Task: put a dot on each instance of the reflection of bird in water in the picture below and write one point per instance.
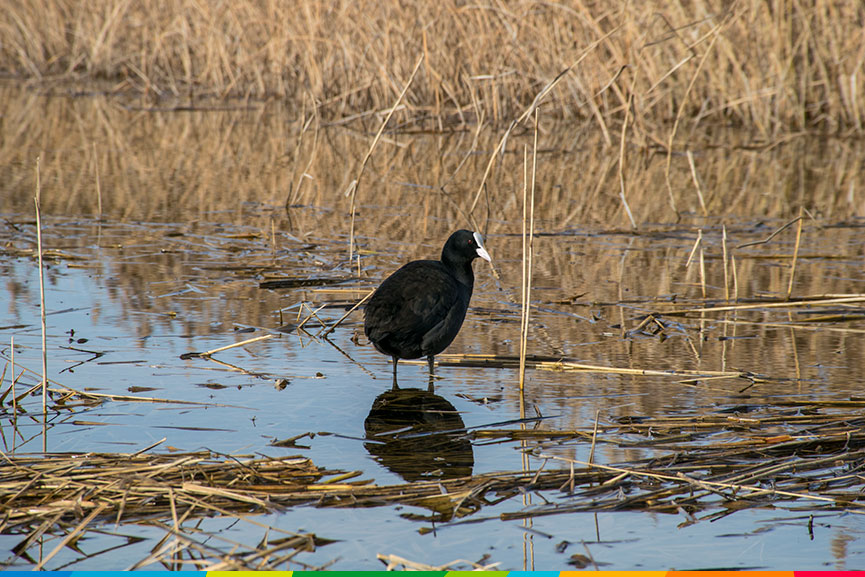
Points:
(408, 432)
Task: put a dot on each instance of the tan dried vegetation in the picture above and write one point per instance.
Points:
(776, 66)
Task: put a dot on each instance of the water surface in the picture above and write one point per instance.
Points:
(199, 208)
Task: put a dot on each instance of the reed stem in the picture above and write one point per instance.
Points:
(41, 298)
(795, 255)
(527, 256)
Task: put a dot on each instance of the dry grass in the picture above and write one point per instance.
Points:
(774, 66)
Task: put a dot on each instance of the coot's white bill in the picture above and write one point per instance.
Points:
(482, 252)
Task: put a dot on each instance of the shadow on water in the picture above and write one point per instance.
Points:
(418, 435)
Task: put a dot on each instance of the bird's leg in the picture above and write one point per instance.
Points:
(395, 361)
(431, 386)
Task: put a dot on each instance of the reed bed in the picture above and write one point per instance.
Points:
(773, 66)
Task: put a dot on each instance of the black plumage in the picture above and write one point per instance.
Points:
(419, 309)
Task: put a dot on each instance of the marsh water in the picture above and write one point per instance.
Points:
(161, 223)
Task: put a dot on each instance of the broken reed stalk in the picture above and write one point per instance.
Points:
(240, 344)
(771, 236)
(313, 314)
(698, 250)
(770, 305)
(12, 360)
(356, 183)
(564, 364)
(98, 182)
(702, 267)
(527, 254)
(693, 251)
(345, 316)
(697, 183)
(41, 299)
(735, 278)
(71, 535)
(594, 436)
(67, 390)
(795, 254)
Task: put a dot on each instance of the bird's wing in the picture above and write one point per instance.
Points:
(408, 303)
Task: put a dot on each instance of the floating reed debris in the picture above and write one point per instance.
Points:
(773, 304)
(354, 307)
(397, 563)
(207, 354)
(563, 364)
(64, 393)
(69, 494)
(289, 283)
(719, 463)
(59, 486)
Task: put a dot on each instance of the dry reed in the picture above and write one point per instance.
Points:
(795, 255)
(528, 249)
(36, 201)
(772, 66)
(717, 463)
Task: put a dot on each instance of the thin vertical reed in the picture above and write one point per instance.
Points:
(41, 299)
(527, 257)
(273, 236)
(697, 183)
(525, 262)
(795, 255)
(14, 400)
(622, 187)
(735, 279)
(702, 267)
(726, 268)
(98, 182)
(594, 437)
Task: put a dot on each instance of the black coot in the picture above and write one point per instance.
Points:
(418, 310)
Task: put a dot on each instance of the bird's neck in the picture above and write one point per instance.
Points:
(463, 273)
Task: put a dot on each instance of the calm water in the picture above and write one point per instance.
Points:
(194, 217)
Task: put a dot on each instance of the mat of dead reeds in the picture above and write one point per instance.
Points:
(806, 457)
